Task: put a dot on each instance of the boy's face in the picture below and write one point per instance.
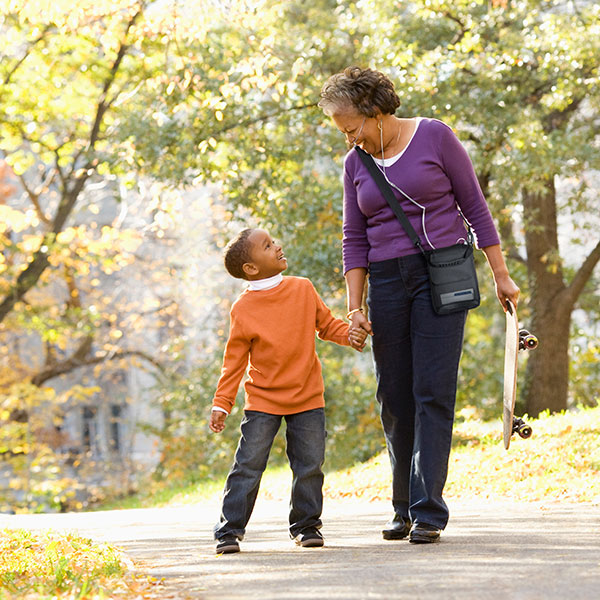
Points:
(267, 257)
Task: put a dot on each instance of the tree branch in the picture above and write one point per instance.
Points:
(39, 262)
(261, 118)
(26, 54)
(28, 278)
(461, 26)
(556, 118)
(76, 361)
(34, 196)
(103, 104)
(514, 255)
(575, 288)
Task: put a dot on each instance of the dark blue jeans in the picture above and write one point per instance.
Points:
(305, 447)
(416, 354)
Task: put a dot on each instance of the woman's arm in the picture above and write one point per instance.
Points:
(506, 288)
(355, 286)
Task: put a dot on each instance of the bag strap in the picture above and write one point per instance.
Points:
(388, 194)
(386, 190)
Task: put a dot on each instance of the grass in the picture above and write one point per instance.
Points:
(560, 462)
(156, 495)
(65, 566)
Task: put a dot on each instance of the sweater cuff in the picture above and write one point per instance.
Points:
(355, 264)
(222, 404)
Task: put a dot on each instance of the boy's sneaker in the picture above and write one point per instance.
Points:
(228, 545)
(311, 538)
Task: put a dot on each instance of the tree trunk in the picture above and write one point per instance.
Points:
(547, 375)
(546, 385)
(552, 300)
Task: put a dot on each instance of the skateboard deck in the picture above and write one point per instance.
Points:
(515, 340)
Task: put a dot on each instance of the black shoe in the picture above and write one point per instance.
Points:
(228, 545)
(396, 529)
(310, 538)
(423, 533)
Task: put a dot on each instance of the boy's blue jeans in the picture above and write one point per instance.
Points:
(416, 354)
(305, 447)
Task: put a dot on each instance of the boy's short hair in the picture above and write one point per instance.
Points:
(237, 252)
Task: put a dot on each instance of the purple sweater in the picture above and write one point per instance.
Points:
(434, 171)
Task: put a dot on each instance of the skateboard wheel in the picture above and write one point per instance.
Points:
(525, 431)
(527, 341)
(520, 427)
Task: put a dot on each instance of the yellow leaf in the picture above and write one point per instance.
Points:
(12, 219)
(66, 236)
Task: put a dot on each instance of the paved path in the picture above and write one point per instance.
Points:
(490, 550)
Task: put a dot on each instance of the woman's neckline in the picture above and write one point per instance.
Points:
(389, 161)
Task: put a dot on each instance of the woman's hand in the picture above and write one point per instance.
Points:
(507, 289)
(360, 327)
(359, 320)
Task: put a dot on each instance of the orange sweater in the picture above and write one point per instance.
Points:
(275, 330)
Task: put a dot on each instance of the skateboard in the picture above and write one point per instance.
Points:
(516, 340)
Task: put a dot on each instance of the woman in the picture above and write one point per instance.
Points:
(416, 351)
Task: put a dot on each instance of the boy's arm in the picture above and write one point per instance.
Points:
(328, 327)
(235, 361)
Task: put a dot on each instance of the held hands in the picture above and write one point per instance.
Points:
(357, 338)
(217, 421)
(360, 327)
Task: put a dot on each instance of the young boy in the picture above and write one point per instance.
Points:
(273, 325)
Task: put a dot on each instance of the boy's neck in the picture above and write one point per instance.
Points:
(265, 284)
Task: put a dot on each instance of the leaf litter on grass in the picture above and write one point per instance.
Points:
(65, 566)
(560, 462)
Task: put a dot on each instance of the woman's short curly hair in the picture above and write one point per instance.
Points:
(237, 253)
(364, 90)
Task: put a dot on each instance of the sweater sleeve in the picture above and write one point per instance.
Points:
(328, 327)
(355, 244)
(235, 361)
(467, 191)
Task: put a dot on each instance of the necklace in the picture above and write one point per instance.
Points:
(391, 143)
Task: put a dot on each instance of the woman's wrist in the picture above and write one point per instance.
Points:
(353, 312)
(501, 275)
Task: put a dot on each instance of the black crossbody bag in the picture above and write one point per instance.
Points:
(452, 274)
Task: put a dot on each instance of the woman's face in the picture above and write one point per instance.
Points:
(359, 130)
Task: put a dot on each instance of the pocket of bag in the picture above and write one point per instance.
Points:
(459, 270)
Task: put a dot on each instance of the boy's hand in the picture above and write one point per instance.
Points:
(357, 337)
(217, 421)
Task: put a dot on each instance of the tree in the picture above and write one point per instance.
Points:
(518, 80)
(192, 95)
(69, 254)
(521, 81)
(69, 151)
(75, 150)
